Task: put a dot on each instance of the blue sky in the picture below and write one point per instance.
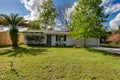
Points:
(12, 6)
(27, 8)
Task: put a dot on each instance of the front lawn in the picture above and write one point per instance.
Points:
(40, 63)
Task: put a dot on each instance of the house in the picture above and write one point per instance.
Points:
(58, 38)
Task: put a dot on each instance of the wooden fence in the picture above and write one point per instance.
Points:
(5, 39)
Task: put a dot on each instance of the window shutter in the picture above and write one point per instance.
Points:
(56, 37)
(64, 37)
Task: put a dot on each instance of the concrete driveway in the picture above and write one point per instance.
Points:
(111, 50)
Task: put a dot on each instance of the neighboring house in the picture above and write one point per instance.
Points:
(60, 38)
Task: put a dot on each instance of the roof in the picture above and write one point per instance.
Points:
(48, 32)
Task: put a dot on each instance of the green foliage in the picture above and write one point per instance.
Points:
(35, 25)
(118, 31)
(14, 36)
(33, 39)
(14, 22)
(2, 22)
(88, 19)
(63, 16)
(47, 14)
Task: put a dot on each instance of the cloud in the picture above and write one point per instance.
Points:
(106, 2)
(112, 9)
(31, 5)
(114, 23)
(109, 7)
(69, 11)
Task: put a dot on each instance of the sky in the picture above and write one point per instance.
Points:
(28, 9)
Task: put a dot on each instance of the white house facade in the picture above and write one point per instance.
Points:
(59, 38)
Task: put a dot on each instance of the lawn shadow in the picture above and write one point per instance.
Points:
(15, 72)
(20, 51)
(5, 46)
(103, 52)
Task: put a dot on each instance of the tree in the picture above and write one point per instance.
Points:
(1, 26)
(64, 12)
(13, 22)
(34, 25)
(88, 20)
(118, 30)
(47, 14)
(1, 21)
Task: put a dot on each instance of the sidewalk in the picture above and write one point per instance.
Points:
(111, 50)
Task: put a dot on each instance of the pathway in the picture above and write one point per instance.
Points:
(111, 50)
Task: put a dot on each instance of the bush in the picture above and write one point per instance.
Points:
(34, 39)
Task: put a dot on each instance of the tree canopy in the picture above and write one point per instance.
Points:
(47, 14)
(34, 25)
(88, 19)
(118, 30)
(14, 21)
(64, 15)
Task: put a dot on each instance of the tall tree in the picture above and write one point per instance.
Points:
(35, 25)
(64, 12)
(88, 19)
(118, 30)
(13, 22)
(47, 14)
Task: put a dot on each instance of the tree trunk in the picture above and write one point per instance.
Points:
(84, 40)
(15, 44)
(14, 37)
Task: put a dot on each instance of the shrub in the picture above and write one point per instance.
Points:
(34, 39)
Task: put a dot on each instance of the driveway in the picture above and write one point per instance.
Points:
(111, 50)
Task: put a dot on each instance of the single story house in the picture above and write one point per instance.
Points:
(59, 38)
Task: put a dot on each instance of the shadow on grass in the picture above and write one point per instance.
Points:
(4, 46)
(20, 51)
(15, 72)
(103, 52)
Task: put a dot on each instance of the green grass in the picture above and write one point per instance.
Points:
(40, 63)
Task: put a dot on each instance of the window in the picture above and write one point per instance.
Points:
(60, 37)
(64, 37)
(56, 37)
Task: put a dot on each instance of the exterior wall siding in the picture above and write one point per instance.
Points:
(92, 42)
(71, 42)
(79, 42)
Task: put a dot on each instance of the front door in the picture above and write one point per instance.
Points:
(49, 40)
